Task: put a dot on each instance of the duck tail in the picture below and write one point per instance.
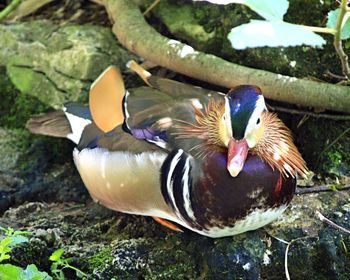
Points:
(53, 123)
(67, 123)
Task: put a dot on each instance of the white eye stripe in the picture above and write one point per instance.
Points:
(253, 121)
(227, 117)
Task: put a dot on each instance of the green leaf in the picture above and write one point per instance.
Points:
(56, 255)
(18, 239)
(4, 243)
(80, 274)
(21, 232)
(10, 272)
(272, 10)
(260, 33)
(32, 273)
(332, 23)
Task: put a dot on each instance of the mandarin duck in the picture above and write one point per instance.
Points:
(217, 164)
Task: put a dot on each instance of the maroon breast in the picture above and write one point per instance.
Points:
(220, 200)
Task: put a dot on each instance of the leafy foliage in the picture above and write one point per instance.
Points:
(269, 9)
(12, 238)
(11, 272)
(332, 23)
(272, 32)
(8, 271)
(260, 33)
(59, 264)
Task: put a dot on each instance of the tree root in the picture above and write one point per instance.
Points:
(136, 35)
(331, 223)
(317, 189)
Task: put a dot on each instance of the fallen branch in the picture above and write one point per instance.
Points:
(329, 222)
(311, 114)
(317, 189)
(136, 35)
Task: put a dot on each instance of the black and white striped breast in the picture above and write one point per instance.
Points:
(177, 185)
(208, 200)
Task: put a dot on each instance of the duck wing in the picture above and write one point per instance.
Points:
(157, 114)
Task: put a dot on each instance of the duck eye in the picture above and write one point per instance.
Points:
(258, 121)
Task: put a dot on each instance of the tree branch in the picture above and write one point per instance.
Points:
(136, 35)
(337, 40)
(331, 223)
(317, 189)
(307, 113)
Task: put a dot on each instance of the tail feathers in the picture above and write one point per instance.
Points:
(53, 123)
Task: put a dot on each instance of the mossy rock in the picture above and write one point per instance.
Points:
(57, 64)
(326, 146)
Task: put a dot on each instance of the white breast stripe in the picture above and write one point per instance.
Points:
(159, 143)
(126, 112)
(186, 191)
(77, 125)
(169, 180)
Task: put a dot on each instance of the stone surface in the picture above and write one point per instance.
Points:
(57, 64)
(106, 244)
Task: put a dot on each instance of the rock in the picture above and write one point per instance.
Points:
(106, 244)
(36, 172)
(57, 64)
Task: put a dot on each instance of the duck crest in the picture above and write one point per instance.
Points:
(276, 147)
(207, 127)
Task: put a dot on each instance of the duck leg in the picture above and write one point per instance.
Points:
(167, 224)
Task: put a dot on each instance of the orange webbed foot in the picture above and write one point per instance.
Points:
(167, 224)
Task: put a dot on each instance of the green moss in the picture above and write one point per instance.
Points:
(100, 258)
(181, 23)
(325, 146)
(33, 252)
(166, 256)
(16, 108)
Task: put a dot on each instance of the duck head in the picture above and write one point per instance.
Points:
(242, 125)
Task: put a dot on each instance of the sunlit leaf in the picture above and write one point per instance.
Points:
(260, 33)
(9, 272)
(271, 10)
(18, 239)
(332, 23)
(32, 273)
(56, 255)
(12, 272)
(5, 243)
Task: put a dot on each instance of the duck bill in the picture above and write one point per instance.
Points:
(236, 156)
